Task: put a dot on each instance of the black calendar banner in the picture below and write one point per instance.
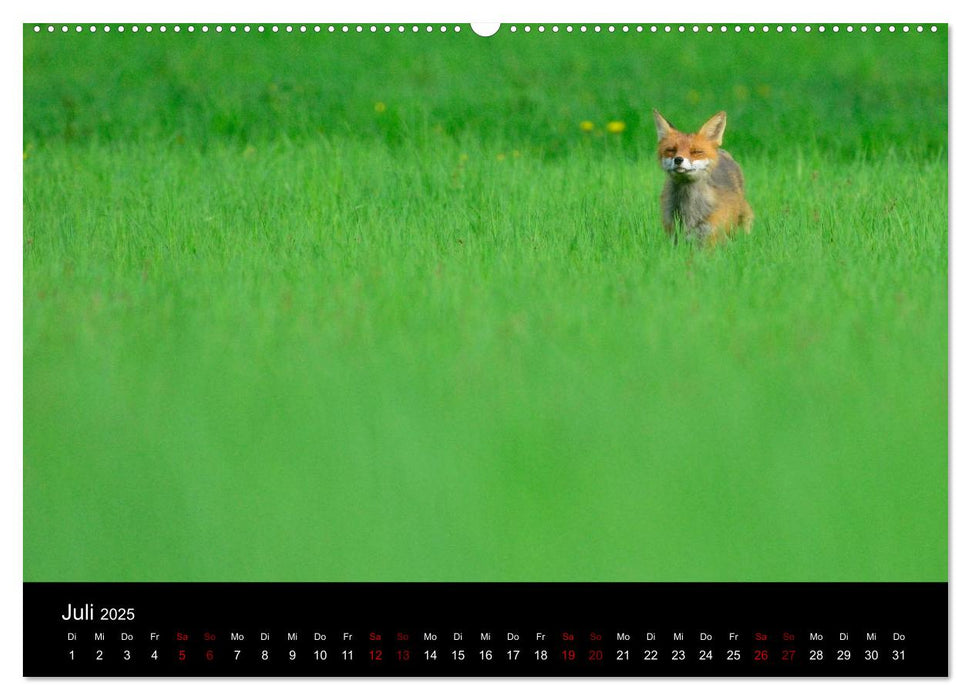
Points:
(486, 629)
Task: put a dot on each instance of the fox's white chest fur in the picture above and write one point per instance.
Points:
(688, 205)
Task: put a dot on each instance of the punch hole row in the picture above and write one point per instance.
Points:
(428, 28)
(717, 28)
(259, 28)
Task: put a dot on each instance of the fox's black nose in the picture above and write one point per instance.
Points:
(679, 160)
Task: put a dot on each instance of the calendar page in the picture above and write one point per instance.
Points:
(508, 350)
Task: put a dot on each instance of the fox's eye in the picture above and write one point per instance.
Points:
(696, 153)
(670, 152)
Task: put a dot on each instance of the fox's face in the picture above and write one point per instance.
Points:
(689, 157)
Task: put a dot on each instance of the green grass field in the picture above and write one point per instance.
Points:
(372, 307)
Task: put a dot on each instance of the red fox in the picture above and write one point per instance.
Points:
(704, 196)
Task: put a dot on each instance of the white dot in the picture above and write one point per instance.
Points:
(121, 28)
(246, 29)
(724, 29)
(892, 28)
(626, 29)
(458, 28)
(569, 29)
(344, 29)
(64, 28)
(920, 28)
(527, 29)
(822, 28)
(765, 28)
(681, 28)
(709, 29)
(177, 29)
(610, 28)
(640, 28)
(36, 28)
(596, 28)
(556, 28)
(107, 28)
(836, 29)
(583, 28)
(934, 28)
(78, 28)
(289, 29)
(863, 28)
(148, 28)
(849, 28)
(877, 28)
(219, 29)
(737, 29)
(695, 29)
(751, 29)
(778, 28)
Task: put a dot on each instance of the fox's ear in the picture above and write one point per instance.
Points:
(663, 125)
(714, 128)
